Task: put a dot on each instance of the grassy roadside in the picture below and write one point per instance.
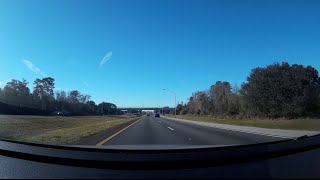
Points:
(60, 130)
(294, 124)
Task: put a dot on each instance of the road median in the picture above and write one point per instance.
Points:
(59, 130)
(102, 137)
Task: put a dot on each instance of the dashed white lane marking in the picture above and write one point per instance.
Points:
(171, 128)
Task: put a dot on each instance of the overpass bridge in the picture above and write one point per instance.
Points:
(162, 110)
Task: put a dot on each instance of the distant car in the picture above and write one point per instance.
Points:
(148, 114)
(157, 115)
(63, 113)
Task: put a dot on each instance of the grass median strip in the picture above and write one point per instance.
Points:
(293, 124)
(59, 130)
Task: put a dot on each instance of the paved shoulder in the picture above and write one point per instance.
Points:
(253, 130)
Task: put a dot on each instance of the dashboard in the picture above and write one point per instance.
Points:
(294, 158)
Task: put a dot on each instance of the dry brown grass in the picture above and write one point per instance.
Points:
(56, 130)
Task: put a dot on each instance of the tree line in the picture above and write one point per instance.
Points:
(17, 98)
(279, 90)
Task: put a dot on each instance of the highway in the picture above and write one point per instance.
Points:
(161, 131)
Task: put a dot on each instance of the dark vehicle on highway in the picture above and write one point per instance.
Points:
(157, 115)
(63, 113)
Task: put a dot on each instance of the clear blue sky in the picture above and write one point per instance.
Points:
(126, 52)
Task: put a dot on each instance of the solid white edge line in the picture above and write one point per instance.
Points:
(277, 136)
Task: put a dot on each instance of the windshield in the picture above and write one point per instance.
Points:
(158, 73)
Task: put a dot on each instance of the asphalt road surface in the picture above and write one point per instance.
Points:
(161, 131)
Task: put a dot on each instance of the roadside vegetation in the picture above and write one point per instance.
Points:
(57, 130)
(17, 98)
(271, 96)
